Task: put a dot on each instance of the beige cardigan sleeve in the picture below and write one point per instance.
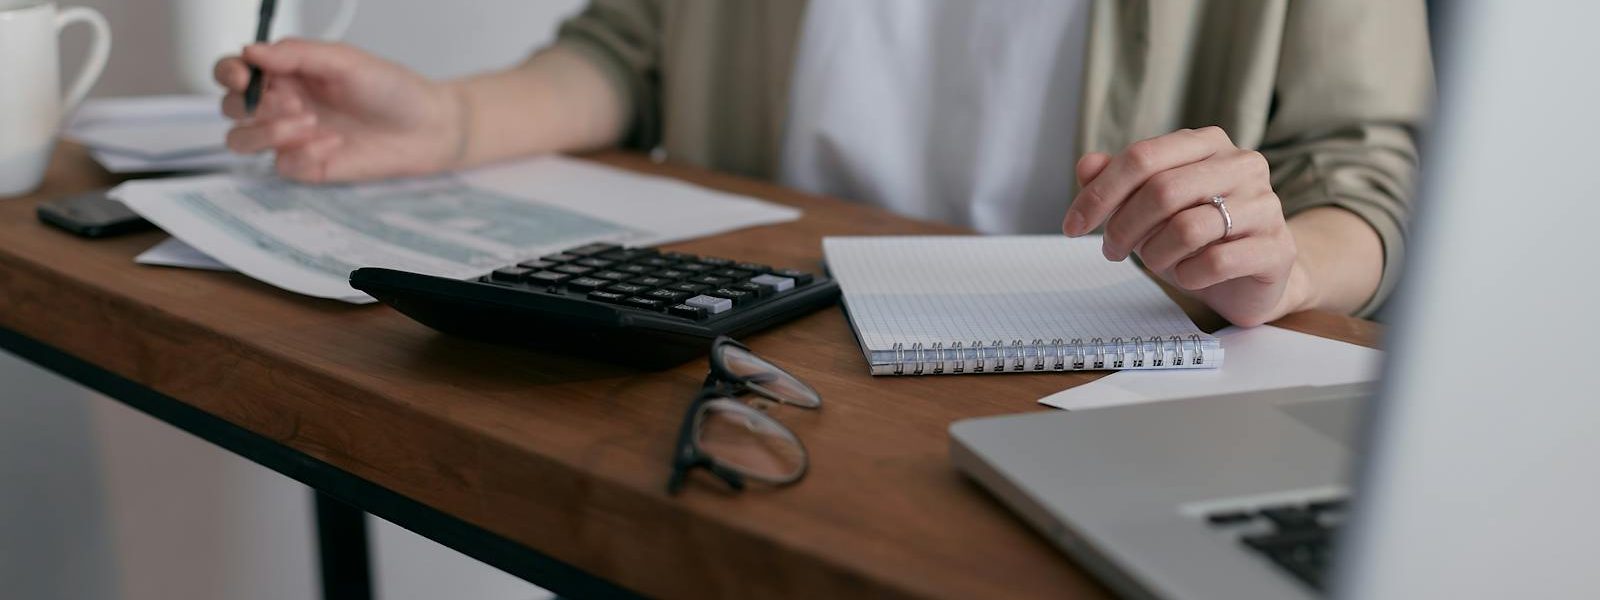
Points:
(1355, 82)
(623, 39)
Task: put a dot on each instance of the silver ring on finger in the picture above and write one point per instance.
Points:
(1221, 202)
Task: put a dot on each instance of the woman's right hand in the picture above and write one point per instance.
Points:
(335, 113)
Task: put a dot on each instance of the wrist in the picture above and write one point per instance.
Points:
(455, 138)
(1301, 293)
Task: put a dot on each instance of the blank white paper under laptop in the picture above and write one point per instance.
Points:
(1259, 358)
(968, 304)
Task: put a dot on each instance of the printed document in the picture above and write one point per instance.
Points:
(307, 239)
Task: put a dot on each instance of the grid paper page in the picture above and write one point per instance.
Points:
(946, 289)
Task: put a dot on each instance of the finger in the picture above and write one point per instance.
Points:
(308, 162)
(232, 73)
(1129, 170)
(233, 106)
(304, 57)
(1233, 173)
(1192, 230)
(1259, 257)
(279, 101)
(1091, 165)
(271, 134)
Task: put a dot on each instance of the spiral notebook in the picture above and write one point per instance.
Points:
(930, 305)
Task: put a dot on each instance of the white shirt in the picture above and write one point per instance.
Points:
(962, 111)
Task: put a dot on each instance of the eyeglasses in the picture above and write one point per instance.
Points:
(738, 441)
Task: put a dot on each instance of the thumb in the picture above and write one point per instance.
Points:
(1090, 166)
(304, 57)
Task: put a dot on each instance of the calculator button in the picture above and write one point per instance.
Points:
(739, 297)
(572, 269)
(629, 254)
(668, 296)
(715, 262)
(612, 275)
(536, 265)
(586, 284)
(598, 263)
(607, 297)
(691, 287)
(732, 273)
(799, 277)
(755, 267)
(710, 280)
(650, 281)
(634, 269)
(778, 284)
(548, 277)
(560, 257)
(686, 311)
(628, 288)
(759, 290)
(694, 267)
(592, 249)
(712, 305)
(651, 304)
(510, 274)
(671, 274)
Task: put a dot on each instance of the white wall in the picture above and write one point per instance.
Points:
(99, 501)
(438, 38)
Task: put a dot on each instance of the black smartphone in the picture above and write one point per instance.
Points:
(92, 215)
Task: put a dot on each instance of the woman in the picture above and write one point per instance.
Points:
(1258, 155)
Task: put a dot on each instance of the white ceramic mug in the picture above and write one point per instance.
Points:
(31, 102)
(204, 31)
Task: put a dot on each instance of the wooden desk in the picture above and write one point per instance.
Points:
(549, 467)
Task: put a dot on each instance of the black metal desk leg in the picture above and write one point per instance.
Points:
(342, 548)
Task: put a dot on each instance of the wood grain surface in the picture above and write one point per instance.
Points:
(567, 456)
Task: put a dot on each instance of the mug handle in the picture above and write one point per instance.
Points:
(99, 51)
(341, 21)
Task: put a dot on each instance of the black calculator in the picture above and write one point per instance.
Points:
(635, 306)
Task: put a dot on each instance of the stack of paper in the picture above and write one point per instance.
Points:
(307, 239)
(155, 134)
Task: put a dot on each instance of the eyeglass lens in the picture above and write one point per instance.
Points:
(769, 377)
(749, 441)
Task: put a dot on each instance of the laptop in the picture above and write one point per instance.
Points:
(1469, 471)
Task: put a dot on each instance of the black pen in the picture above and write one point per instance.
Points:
(252, 92)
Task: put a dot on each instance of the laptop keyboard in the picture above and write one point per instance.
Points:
(1296, 537)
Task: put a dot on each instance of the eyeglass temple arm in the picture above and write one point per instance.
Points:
(680, 474)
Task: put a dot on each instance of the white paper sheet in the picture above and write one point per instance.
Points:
(158, 140)
(1260, 358)
(149, 134)
(307, 239)
(174, 253)
(211, 161)
(95, 111)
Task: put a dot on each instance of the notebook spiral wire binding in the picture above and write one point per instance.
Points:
(1077, 354)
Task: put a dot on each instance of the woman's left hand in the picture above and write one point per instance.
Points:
(1154, 199)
